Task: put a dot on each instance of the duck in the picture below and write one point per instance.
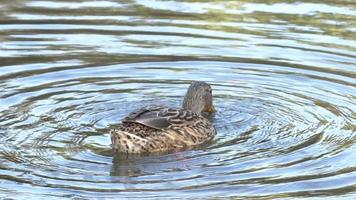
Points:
(154, 129)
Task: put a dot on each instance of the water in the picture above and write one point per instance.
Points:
(283, 75)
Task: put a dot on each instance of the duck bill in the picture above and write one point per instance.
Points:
(211, 109)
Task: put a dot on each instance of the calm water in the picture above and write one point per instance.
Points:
(283, 74)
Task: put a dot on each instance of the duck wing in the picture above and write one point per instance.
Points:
(161, 117)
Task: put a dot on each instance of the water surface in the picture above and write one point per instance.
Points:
(283, 75)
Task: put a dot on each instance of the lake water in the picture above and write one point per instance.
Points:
(283, 75)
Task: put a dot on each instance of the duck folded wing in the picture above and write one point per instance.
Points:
(161, 117)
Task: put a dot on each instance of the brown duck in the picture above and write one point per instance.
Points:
(162, 129)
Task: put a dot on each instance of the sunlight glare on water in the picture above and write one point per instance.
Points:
(283, 78)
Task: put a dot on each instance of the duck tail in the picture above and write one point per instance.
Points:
(126, 142)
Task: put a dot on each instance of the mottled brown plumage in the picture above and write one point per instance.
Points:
(162, 129)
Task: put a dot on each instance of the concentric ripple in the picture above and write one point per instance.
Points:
(283, 83)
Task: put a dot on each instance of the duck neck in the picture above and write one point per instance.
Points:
(189, 103)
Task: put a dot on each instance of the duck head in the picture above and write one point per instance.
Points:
(199, 98)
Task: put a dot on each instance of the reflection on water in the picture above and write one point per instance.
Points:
(283, 75)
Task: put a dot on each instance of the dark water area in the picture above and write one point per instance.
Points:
(283, 75)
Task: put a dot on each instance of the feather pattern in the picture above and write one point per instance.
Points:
(160, 129)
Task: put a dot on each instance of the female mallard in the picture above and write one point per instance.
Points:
(162, 129)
